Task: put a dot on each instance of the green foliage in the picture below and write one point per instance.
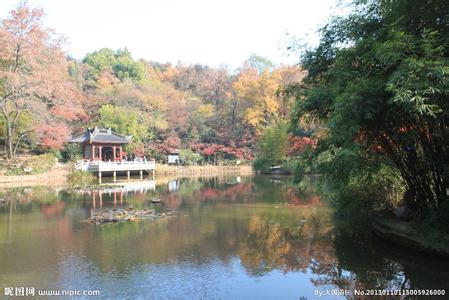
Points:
(71, 152)
(124, 120)
(120, 62)
(289, 165)
(377, 84)
(435, 220)
(260, 63)
(189, 158)
(272, 146)
(126, 68)
(99, 61)
(261, 164)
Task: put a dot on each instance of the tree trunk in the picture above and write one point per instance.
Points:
(234, 111)
(11, 124)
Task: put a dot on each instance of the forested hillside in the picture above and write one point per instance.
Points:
(208, 113)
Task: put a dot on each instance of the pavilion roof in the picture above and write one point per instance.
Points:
(101, 135)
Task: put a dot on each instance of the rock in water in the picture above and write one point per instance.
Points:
(156, 200)
(124, 215)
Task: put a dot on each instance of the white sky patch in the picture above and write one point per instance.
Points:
(209, 32)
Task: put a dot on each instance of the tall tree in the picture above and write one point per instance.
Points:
(260, 63)
(33, 71)
(378, 82)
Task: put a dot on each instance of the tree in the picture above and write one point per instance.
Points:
(272, 147)
(378, 82)
(33, 71)
(260, 63)
(99, 61)
(259, 97)
(126, 121)
(188, 157)
(119, 62)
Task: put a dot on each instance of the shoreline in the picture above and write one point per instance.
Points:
(57, 176)
(402, 234)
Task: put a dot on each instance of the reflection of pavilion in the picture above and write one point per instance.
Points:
(103, 152)
(173, 185)
(119, 192)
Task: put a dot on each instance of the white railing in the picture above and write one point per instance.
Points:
(103, 166)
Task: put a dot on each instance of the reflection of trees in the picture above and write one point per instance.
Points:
(363, 262)
(298, 237)
(288, 241)
(357, 263)
(26, 199)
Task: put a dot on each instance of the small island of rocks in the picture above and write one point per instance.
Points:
(126, 215)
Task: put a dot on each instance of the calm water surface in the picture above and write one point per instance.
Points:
(233, 238)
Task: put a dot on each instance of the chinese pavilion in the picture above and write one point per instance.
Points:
(101, 144)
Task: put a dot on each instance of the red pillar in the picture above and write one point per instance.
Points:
(92, 155)
(114, 154)
(99, 153)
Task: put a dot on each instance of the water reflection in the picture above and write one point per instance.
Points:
(233, 238)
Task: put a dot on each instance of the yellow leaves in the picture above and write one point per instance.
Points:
(206, 110)
(106, 82)
(156, 102)
(258, 94)
(253, 117)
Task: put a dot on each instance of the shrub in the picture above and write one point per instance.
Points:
(80, 179)
(71, 152)
(261, 164)
(188, 157)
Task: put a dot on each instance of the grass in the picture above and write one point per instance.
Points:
(80, 179)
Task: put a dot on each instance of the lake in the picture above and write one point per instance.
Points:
(232, 238)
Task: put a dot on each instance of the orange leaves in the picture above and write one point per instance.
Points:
(34, 76)
(52, 136)
(258, 93)
(298, 144)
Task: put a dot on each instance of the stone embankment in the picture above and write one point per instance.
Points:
(402, 234)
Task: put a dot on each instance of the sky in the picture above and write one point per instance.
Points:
(210, 32)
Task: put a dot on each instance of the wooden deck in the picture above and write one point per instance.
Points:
(100, 167)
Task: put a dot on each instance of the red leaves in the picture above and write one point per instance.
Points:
(52, 136)
(298, 144)
(68, 112)
(208, 149)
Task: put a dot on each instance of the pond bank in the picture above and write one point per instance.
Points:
(402, 234)
(57, 176)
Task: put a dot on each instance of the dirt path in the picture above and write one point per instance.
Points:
(56, 176)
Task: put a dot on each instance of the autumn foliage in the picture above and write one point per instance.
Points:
(46, 97)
